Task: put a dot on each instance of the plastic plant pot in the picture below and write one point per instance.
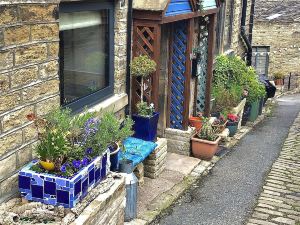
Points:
(232, 127)
(254, 111)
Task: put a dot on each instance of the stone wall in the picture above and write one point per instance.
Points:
(284, 42)
(29, 81)
(29, 44)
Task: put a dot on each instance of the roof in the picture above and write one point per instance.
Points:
(277, 11)
(152, 5)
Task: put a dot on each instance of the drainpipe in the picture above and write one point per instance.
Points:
(128, 55)
(251, 24)
(243, 33)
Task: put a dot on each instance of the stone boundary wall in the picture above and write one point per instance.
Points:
(284, 42)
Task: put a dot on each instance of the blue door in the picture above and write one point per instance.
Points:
(177, 74)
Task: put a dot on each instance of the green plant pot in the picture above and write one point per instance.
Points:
(232, 129)
(254, 111)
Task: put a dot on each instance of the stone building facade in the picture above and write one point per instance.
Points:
(228, 29)
(29, 77)
(277, 25)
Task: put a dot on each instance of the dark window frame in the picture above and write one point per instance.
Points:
(254, 62)
(100, 95)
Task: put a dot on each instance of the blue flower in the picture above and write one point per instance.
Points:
(85, 161)
(88, 151)
(76, 164)
(63, 168)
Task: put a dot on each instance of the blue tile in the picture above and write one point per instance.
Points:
(61, 182)
(97, 174)
(85, 187)
(50, 188)
(68, 184)
(103, 172)
(63, 197)
(91, 176)
(77, 188)
(37, 191)
(24, 182)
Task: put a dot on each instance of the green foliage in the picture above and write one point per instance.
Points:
(60, 119)
(278, 75)
(142, 66)
(144, 109)
(207, 132)
(231, 73)
(53, 145)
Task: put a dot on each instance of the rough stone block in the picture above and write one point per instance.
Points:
(49, 69)
(24, 155)
(40, 90)
(29, 133)
(8, 14)
(24, 76)
(10, 141)
(43, 32)
(16, 35)
(139, 173)
(1, 38)
(9, 101)
(4, 83)
(31, 54)
(37, 13)
(9, 185)
(47, 105)
(16, 118)
(156, 161)
(7, 166)
(53, 50)
(6, 59)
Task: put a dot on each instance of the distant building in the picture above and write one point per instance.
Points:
(276, 37)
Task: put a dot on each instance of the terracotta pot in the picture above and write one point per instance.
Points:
(47, 165)
(278, 81)
(204, 149)
(195, 122)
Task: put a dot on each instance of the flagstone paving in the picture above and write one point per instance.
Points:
(229, 194)
(279, 202)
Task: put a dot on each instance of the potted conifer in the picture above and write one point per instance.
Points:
(146, 119)
(278, 78)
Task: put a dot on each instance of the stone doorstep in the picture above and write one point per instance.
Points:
(166, 199)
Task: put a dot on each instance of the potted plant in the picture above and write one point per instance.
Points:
(146, 119)
(72, 158)
(113, 132)
(232, 124)
(278, 78)
(196, 121)
(219, 124)
(205, 142)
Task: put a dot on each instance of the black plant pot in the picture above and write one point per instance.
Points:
(246, 114)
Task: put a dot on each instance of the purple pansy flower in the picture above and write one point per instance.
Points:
(76, 164)
(88, 151)
(85, 161)
(63, 168)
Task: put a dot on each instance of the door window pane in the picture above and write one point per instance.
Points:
(84, 53)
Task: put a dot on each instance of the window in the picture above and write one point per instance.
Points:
(86, 53)
(228, 24)
(260, 59)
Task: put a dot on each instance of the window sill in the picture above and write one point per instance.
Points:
(114, 103)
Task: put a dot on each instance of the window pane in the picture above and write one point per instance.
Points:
(84, 53)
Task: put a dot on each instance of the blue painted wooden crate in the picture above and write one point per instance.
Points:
(54, 190)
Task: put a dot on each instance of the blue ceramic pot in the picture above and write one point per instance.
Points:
(145, 128)
(114, 158)
(232, 127)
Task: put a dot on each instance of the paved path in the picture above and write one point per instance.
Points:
(279, 202)
(228, 195)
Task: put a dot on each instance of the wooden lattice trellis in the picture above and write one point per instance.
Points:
(146, 41)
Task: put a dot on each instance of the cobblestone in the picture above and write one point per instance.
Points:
(279, 203)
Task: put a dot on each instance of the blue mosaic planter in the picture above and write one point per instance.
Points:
(54, 190)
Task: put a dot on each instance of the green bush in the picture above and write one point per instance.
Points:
(231, 77)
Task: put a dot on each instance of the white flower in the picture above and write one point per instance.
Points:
(151, 105)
